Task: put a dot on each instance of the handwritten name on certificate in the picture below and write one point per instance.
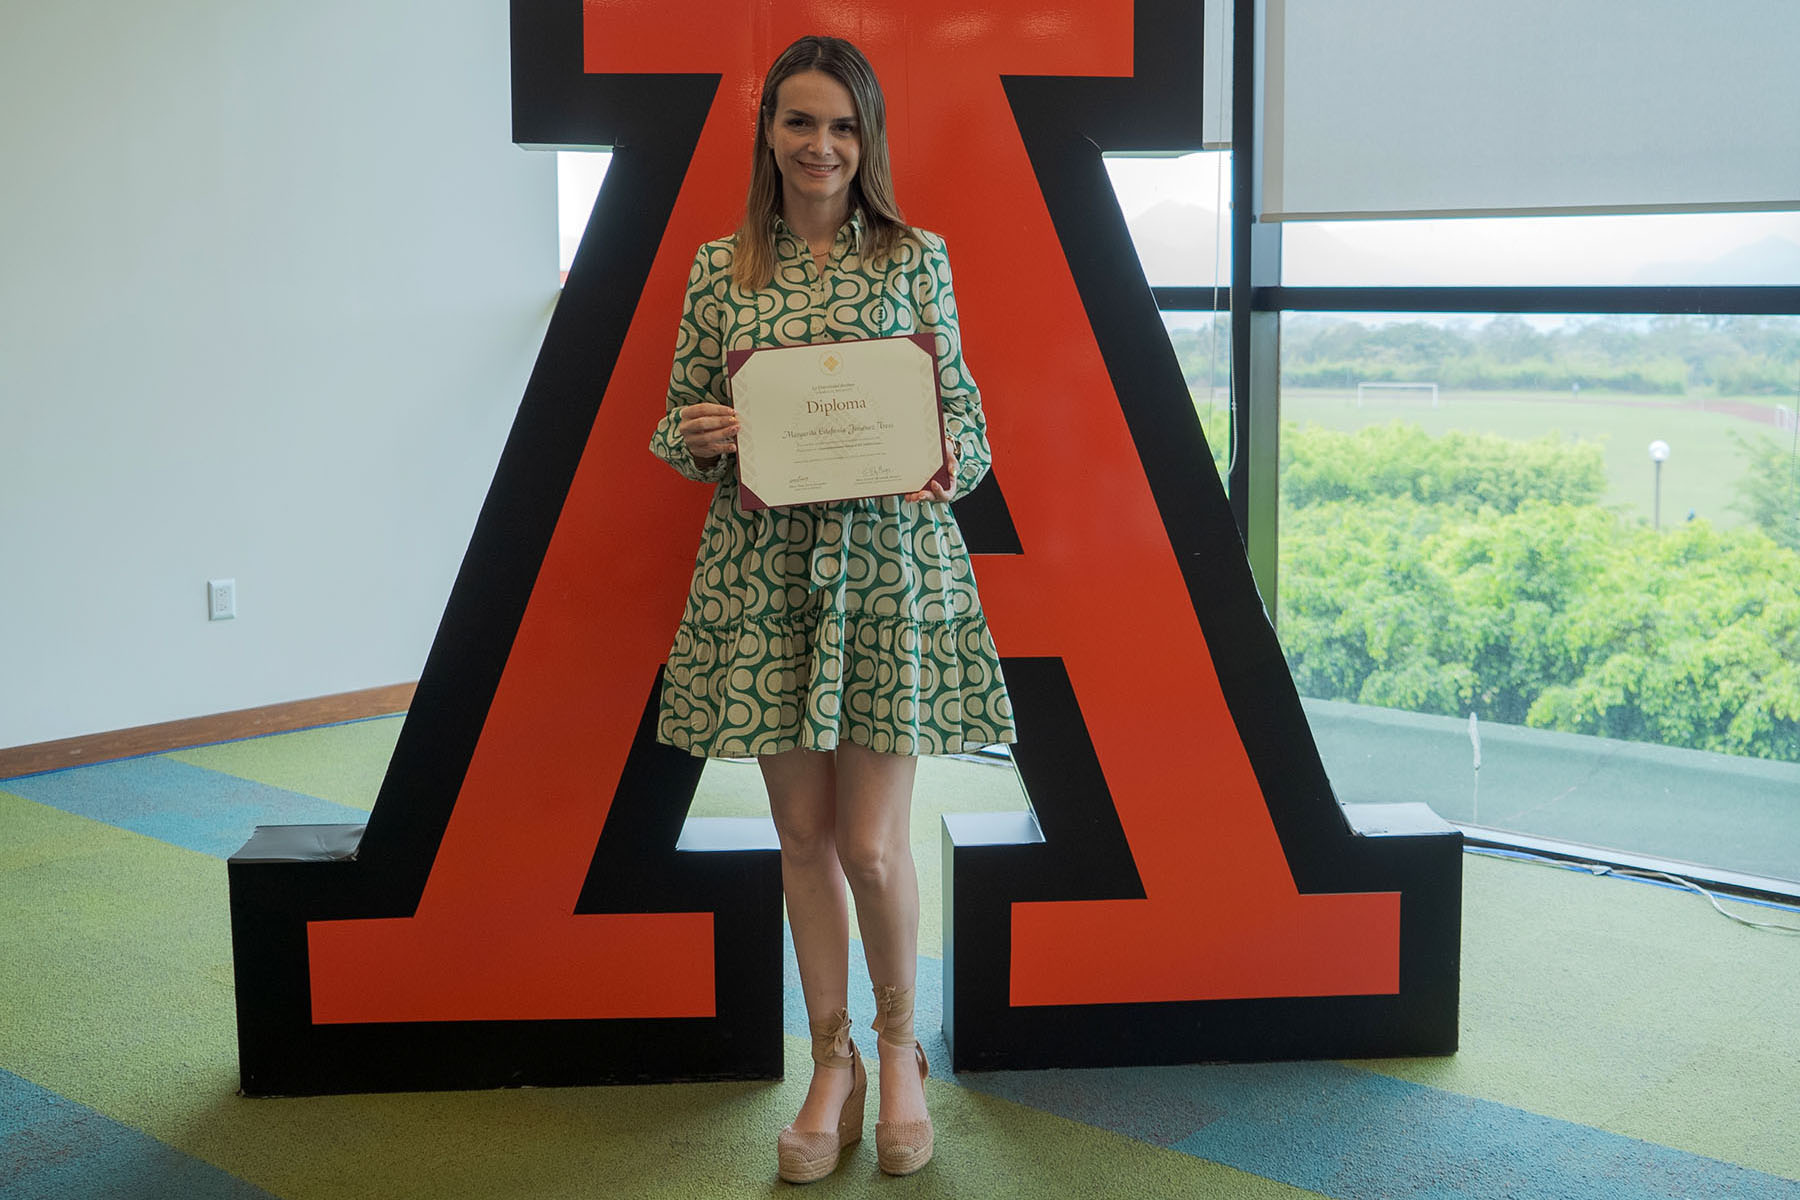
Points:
(837, 420)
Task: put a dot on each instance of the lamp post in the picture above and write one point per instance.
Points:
(1659, 451)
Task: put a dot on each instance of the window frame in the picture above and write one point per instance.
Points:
(1256, 300)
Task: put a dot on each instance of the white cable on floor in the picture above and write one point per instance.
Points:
(1690, 885)
(1594, 868)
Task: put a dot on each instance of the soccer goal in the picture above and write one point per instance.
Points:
(1364, 388)
(1785, 419)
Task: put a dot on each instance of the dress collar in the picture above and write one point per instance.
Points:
(850, 232)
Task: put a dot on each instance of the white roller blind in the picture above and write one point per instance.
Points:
(1416, 108)
(1215, 106)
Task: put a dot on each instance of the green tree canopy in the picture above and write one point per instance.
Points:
(1470, 471)
(1467, 573)
(1769, 492)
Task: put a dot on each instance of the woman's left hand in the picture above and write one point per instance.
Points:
(931, 491)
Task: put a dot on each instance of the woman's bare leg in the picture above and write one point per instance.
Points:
(803, 801)
(874, 845)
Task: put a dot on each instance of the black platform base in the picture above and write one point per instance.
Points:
(287, 876)
(992, 860)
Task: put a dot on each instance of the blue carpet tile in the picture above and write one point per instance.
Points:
(174, 802)
(52, 1148)
(1309, 1124)
(1305, 1124)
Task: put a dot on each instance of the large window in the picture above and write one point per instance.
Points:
(1521, 363)
(1544, 572)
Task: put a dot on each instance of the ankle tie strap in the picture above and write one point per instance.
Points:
(831, 1045)
(894, 1015)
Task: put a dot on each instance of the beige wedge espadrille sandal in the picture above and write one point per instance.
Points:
(901, 1147)
(801, 1156)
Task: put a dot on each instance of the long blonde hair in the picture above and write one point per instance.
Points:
(872, 188)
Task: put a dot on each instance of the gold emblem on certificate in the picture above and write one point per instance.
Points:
(837, 421)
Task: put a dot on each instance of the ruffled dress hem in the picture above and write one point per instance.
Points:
(893, 684)
(830, 740)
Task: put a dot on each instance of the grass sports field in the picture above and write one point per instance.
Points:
(1703, 459)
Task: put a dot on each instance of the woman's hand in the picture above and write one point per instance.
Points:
(708, 431)
(934, 493)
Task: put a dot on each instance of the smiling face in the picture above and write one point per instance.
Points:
(817, 143)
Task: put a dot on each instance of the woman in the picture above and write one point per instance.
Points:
(834, 642)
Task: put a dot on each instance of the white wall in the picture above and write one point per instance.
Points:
(272, 277)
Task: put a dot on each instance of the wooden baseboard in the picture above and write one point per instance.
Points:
(201, 731)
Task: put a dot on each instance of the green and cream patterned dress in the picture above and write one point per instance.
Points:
(815, 623)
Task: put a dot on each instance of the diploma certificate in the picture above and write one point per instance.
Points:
(837, 420)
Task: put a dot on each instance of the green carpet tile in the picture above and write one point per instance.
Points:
(119, 986)
(1610, 1005)
(341, 763)
(1627, 1007)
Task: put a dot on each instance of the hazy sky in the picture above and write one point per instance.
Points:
(1724, 248)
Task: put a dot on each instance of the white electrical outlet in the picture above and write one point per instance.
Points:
(221, 599)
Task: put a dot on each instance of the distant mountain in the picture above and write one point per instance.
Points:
(1175, 242)
(1314, 256)
(1773, 260)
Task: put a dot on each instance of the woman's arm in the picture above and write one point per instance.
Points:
(698, 379)
(934, 301)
